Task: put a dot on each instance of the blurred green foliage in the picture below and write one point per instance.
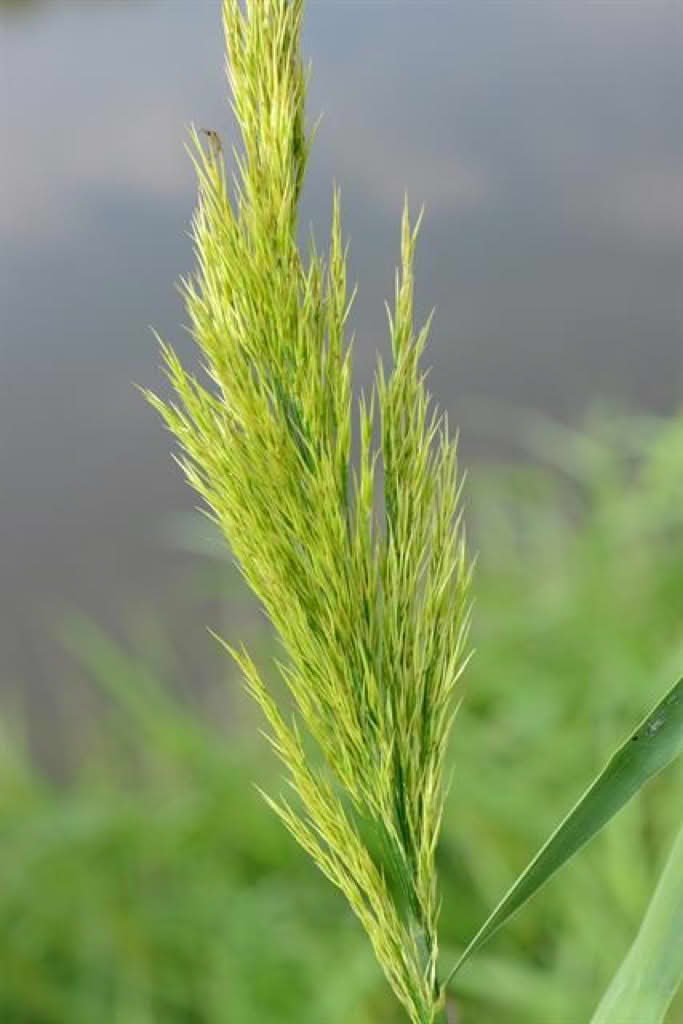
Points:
(157, 887)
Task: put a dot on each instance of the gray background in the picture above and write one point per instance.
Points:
(545, 138)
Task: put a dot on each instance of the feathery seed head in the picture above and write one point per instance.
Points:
(373, 613)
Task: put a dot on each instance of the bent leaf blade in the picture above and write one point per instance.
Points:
(656, 742)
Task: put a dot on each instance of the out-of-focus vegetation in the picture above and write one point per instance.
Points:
(17, 7)
(157, 886)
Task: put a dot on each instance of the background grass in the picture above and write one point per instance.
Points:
(155, 886)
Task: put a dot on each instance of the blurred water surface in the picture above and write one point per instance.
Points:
(546, 140)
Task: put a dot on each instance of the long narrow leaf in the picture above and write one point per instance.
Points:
(652, 970)
(656, 742)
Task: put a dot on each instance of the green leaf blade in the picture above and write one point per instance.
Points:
(652, 970)
(656, 742)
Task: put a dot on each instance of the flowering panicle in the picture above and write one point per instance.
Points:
(372, 613)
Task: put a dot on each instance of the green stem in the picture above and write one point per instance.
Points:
(441, 1017)
(438, 1014)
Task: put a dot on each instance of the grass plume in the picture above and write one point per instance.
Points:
(371, 611)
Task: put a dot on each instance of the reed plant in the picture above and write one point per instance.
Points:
(372, 607)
